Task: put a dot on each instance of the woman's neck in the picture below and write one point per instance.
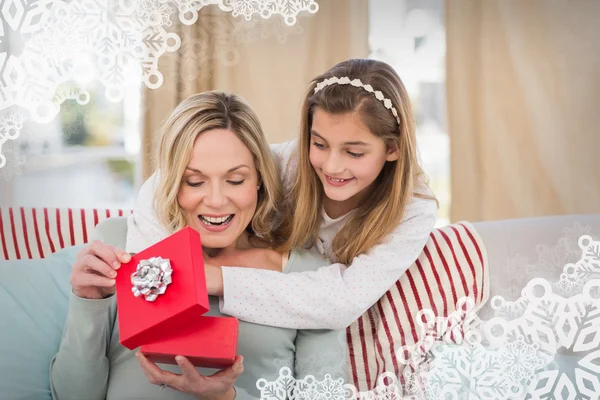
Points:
(243, 242)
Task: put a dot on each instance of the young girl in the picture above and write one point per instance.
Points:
(355, 191)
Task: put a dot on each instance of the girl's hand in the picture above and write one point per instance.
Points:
(251, 258)
(214, 278)
(95, 269)
(218, 386)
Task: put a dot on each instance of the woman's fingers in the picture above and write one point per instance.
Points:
(191, 381)
(153, 373)
(91, 263)
(231, 374)
(94, 280)
(101, 259)
(109, 254)
(94, 272)
(91, 272)
(122, 255)
(105, 253)
(149, 369)
(157, 376)
(187, 368)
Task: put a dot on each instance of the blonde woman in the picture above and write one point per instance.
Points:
(355, 191)
(222, 180)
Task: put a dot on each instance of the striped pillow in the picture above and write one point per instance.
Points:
(452, 265)
(30, 233)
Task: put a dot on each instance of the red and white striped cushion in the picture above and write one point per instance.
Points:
(27, 233)
(453, 265)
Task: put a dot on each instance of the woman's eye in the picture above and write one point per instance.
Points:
(356, 155)
(319, 145)
(236, 183)
(194, 184)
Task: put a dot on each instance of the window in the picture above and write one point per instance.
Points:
(409, 35)
(87, 157)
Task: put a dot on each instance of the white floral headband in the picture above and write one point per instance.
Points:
(357, 83)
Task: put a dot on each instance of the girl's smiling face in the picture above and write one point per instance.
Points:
(347, 157)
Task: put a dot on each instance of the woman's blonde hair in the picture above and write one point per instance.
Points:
(383, 208)
(193, 116)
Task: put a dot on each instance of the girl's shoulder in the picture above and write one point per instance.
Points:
(422, 188)
(421, 209)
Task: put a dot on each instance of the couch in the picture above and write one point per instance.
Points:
(34, 288)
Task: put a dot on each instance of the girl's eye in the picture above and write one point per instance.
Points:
(356, 155)
(194, 184)
(319, 145)
(236, 183)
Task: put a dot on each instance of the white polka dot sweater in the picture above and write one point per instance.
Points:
(331, 297)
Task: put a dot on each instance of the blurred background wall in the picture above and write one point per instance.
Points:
(505, 94)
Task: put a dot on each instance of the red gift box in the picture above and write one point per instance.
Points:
(209, 342)
(185, 298)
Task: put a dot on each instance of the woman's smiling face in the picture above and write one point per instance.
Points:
(218, 192)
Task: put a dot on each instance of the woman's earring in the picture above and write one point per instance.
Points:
(258, 187)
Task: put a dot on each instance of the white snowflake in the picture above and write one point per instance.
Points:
(469, 368)
(388, 388)
(113, 41)
(11, 156)
(58, 40)
(10, 128)
(520, 360)
(245, 8)
(286, 386)
(570, 241)
(549, 259)
(557, 384)
(154, 13)
(325, 389)
(246, 32)
(289, 9)
(544, 345)
(327, 362)
(25, 15)
(505, 356)
(14, 160)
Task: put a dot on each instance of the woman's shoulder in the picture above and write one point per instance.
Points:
(301, 260)
(286, 154)
(285, 149)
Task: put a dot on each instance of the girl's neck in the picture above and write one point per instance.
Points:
(335, 209)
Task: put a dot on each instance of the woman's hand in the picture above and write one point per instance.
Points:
(218, 386)
(95, 269)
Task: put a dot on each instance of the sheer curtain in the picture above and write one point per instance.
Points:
(523, 80)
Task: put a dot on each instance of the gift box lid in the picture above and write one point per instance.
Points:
(185, 297)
